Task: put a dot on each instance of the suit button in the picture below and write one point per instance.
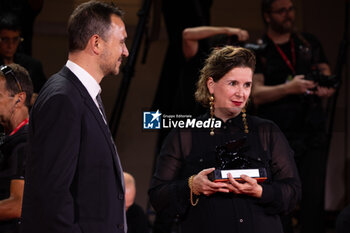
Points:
(120, 226)
(121, 196)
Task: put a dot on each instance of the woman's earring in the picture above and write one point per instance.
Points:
(244, 119)
(211, 104)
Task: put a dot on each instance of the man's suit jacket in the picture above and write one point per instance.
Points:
(74, 181)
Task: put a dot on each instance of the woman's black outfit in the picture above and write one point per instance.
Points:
(188, 151)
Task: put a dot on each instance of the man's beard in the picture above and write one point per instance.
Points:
(108, 67)
(283, 28)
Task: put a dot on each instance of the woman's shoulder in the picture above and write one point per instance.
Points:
(261, 123)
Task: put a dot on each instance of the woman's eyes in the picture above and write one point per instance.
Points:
(234, 83)
(247, 84)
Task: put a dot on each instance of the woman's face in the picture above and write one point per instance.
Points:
(231, 92)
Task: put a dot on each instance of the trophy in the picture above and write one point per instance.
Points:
(230, 159)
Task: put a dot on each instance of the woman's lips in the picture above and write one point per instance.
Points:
(237, 103)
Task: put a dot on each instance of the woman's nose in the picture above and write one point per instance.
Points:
(239, 92)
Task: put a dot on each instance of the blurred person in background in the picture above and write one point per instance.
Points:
(136, 219)
(15, 93)
(288, 91)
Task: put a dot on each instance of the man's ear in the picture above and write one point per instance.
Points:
(21, 99)
(211, 85)
(267, 17)
(95, 44)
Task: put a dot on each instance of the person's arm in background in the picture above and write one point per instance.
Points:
(262, 93)
(321, 62)
(191, 36)
(11, 207)
(324, 91)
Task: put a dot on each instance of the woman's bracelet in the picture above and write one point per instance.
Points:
(192, 192)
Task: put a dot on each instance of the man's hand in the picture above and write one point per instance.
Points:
(324, 91)
(298, 85)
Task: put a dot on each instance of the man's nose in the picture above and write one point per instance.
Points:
(125, 51)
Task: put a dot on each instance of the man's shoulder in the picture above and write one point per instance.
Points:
(308, 37)
(263, 40)
(16, 140)
(262, 46)
(60, 85)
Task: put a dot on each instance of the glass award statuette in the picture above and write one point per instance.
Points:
(230, 158)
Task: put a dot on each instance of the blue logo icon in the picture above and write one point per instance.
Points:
(152, 120)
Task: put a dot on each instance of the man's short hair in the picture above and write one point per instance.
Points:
(88, 19)
(24, 80)
(10, 21)
(266, 8)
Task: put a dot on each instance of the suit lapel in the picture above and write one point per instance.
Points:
(66, 73)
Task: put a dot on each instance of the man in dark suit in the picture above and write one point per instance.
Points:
(74, 180)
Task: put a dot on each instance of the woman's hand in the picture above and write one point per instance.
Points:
(249, 187)
(202, 185)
